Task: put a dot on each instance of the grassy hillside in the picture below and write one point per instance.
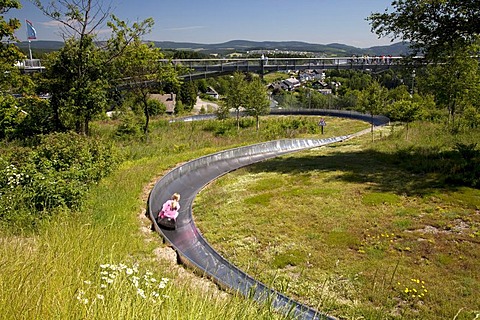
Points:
(102, 262)
(353, 230)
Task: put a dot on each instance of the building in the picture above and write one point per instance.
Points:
(212, 93)
(291, 83)
(169, 100)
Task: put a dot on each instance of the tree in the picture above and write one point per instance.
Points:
(140, 63)
(431, 26)
(405, 111)
(137, 66)
(455, 84)
(256, 101)
(9, 52)
(448, 33)
(80, 75)
(188, 94)
(77, 77)
(372, 100)
(77, 84)
(11, 80)
(234, 97)
(144, 73)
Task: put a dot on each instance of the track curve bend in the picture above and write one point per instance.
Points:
(189, 178)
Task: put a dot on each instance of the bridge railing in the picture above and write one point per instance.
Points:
(265, 64)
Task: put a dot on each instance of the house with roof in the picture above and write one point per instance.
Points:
(291, 83)
(212, 93)
(169, 100)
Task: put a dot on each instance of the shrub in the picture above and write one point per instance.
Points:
(39, 118)
(130, 126)
(10, 116)
(155, 107)
(55, 173)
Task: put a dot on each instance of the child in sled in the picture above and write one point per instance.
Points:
(170, 208)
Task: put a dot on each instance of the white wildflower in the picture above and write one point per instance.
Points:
(141, 293)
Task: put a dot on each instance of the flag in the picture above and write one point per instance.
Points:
(31, 32)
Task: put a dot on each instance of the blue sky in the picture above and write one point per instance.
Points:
(217, 21)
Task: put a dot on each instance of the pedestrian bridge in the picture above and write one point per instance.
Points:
(203, 68)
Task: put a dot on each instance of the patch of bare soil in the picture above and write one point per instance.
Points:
(459, 227)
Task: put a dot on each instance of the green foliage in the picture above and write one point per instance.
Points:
(453, 159)
(372, 100)
(55, 173)
(234, 98)
(76, 80)
(454, 84)
(290, 127)
(188, 94)
(432, 26)
(288, 258)
(465, 165)
(256, 101)
(139, 64)
(9, 52)
(471, 118)
(37, 119)
(179, 107)
(405, 111)
(10, 116)
(130, 126)
(225, 128)
(155, 107)
(222, 112)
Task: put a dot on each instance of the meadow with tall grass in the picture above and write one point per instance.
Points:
(101, 261)
(357, 229)
(349, 229)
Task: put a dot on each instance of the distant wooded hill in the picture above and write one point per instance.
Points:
(333, 49)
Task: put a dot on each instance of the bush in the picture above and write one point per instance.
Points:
(39, 118)
(155, 107)
(130, 126)
(10, 116)
(55, 173)
(465, 170)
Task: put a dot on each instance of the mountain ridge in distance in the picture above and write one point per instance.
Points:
(332, 49)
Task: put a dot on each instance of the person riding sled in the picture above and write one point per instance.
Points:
(169, 212)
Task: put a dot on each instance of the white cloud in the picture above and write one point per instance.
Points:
(185, 28)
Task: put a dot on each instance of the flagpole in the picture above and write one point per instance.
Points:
(30, 50)
(31, 34)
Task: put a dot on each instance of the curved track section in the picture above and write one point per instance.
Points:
(188, 242)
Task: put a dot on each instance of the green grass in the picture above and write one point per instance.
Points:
(349, 223)
(317, 225)
(57, 274)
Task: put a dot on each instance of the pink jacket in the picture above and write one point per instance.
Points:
(167, 210)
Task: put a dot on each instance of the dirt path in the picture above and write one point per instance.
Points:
(208, 106)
